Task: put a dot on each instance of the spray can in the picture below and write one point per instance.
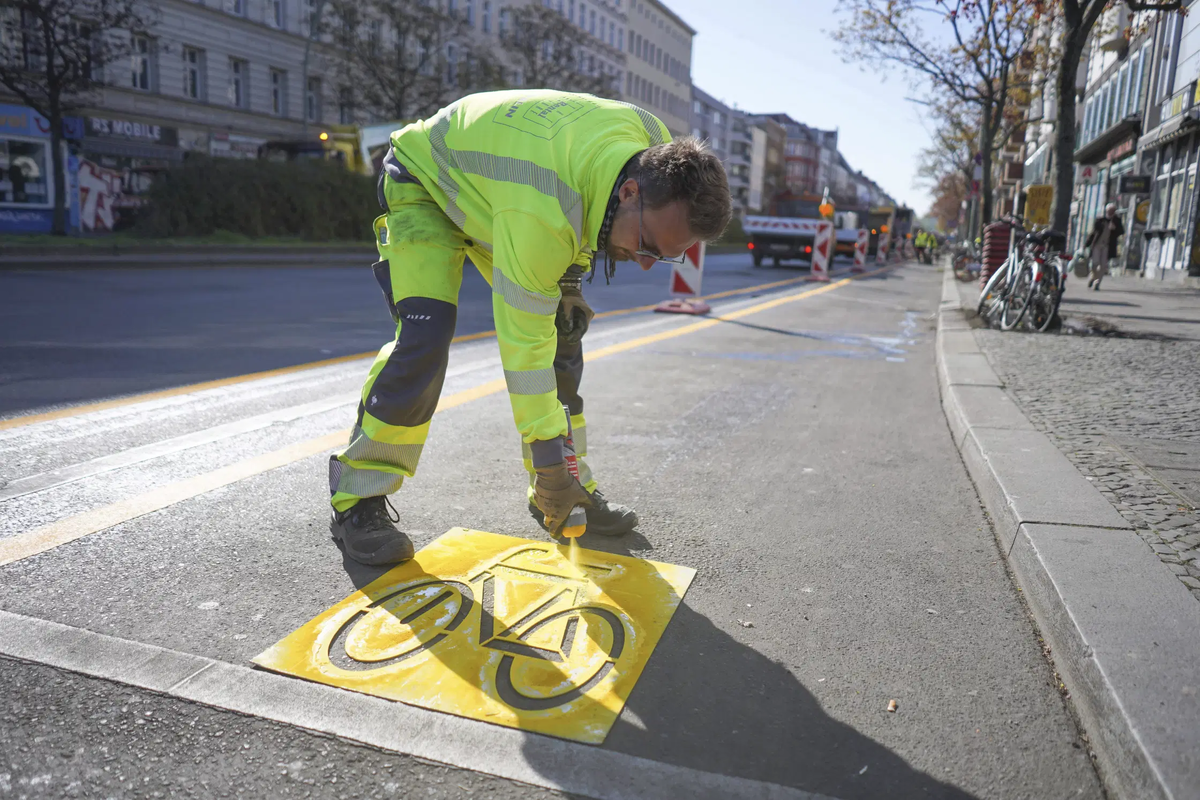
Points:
(577, 519)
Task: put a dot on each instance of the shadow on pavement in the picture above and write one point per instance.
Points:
(710, 703)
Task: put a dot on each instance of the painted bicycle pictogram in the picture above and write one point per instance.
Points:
(551, 641)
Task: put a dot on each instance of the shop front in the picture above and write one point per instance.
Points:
(27, 170)
(121, 158)
(1168, 155)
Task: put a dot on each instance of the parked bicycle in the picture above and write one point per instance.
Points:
(1029, 285)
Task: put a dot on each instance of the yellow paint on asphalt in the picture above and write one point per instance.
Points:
(497, 629)
(88, 408)
(46, 537)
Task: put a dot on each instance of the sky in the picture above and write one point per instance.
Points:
(769, 56)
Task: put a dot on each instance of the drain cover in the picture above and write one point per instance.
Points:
(1175, 464)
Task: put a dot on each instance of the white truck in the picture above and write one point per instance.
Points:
(791, 238)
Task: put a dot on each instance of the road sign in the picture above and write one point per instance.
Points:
(860, 250)
(1037, 203)
(498, 629)
(685, 277)
(822, 247)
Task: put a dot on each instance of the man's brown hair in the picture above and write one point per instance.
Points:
(685, 169)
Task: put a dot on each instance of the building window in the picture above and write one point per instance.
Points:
(345, 113)
(582, 15)
(503, 22)
(26, 179)
(621, 39)
(277, 11)
(279, 93)
(451, 6)
(451, 65)
(239, 8)
(239, 78)
(141, 63)
(193, 73)
(471, 13)
(487, 16)
(312, 100)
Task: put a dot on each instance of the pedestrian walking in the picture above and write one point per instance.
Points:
(532, 187)
(1102, 242)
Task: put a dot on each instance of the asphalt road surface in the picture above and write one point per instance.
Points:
(793, 452)
(69, 336)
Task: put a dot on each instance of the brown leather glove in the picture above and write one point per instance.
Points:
(555, 493)
(574, 314)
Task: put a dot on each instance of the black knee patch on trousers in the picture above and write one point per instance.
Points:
(406, 390)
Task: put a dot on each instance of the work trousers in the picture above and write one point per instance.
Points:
(423, 254)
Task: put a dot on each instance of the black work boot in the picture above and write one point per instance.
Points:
(604, 519)
(369, 534)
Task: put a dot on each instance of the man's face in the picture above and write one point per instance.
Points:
(663, 231)
(1110, 211)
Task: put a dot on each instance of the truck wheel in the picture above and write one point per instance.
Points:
(758, 259)
(777, 261)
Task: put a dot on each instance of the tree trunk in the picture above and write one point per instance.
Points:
(986, 134)
(1064, 132)
(59, 169)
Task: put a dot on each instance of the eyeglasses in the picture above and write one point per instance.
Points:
(641, 251)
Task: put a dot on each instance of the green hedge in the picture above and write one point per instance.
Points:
(311, 200)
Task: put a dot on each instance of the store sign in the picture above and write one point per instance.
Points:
(1133, 184)
(1124, 148)
(23, 121)
(228, 145)
(1037, 203)
(1086, 173)
(125, 129)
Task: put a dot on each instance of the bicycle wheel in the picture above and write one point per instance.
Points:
(992, 294)
(1016, 303)
(405, 622)
(559, 666)
(1044, 307)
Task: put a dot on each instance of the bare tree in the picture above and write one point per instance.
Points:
(403, 59)
(52, 56)
(543, 51)
(971, 57)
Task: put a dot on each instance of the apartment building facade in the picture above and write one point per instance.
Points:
(727, 132)
(658, 75)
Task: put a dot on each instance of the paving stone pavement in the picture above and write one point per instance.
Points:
(1087, 392)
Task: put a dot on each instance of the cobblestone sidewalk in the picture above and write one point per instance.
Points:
(1088, 393)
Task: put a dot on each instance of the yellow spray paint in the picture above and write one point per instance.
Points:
(498, 629)
(577, 520)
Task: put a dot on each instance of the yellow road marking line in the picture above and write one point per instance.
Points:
(66, 530)
(103, 405)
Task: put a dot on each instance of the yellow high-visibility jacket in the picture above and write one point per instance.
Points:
(527, 176)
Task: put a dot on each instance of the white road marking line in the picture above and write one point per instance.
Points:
(136, 455)
(467, 744)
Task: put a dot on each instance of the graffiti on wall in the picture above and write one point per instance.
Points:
(99, 193)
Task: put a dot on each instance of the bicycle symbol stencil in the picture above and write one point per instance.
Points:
(498, 629)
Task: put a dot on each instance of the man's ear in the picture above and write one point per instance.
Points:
(629, 189)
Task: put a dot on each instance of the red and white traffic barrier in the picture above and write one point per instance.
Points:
(881, 249)
(822, 251)
(685, 284)
(860, 251)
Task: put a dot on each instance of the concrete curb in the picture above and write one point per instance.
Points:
(530, 758)
(1124, 632)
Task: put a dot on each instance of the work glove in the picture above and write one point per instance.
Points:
(556, 492)
(574, 314)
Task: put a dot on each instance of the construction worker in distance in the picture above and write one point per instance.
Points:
(532, 186)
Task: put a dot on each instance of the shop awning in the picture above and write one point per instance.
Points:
(1169, 130)
(118, 147)
(1098, 148)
